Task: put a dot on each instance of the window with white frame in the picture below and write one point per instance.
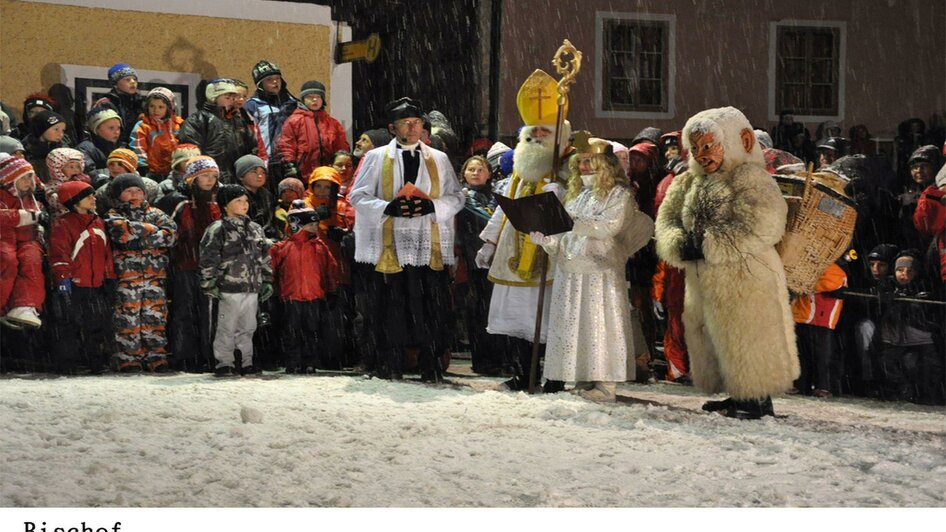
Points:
(808, 68)
(635, 65)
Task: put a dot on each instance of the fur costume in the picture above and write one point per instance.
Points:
(739, 328)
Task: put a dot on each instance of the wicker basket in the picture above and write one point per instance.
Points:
(819, 228)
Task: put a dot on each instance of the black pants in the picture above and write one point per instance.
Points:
(912, 373)
(412, 310)
(486, 349)
(816, 354)
(300, 325)
(80, 329)
(363, 321)
(191, 324)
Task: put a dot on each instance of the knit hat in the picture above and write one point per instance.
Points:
(59, 157)
(264, 69)
(505, 162)
(200, 165)
(495, 152)
(119, 71)
(10, 145)
(403, 108)
(163, 93)
(37, 100)
(617, 147)
(228, 193)
(182, 153)
(291, 183)
(4, 123)
(246, 163)
(99, 116)
(300, 216)
(763, 138)
(218, 87)
(925, 154)
(123, 182)
(72, 192)
(44, 120)
(882, 252)
(909, 258)
(125, 157)
(650, 134)
(12, 169)
(325, 173)
(379, 137)
(312, 87)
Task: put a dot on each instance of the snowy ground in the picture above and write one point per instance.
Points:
(192, 440)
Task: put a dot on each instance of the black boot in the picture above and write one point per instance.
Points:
(715, 406)
(553, 386)
(751, 409)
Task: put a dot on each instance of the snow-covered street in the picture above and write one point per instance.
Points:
(302, 441)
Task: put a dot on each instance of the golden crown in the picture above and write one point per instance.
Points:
(538, 100)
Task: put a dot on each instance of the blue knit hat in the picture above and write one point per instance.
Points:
(119, 71)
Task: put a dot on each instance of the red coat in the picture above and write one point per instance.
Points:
(930, 219)
(10, 206)
(191, 225)
(310, 139)
(79, 249)
(303, 267)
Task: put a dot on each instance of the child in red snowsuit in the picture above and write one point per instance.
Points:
(80, 257)
(306, 273)
(21, 255)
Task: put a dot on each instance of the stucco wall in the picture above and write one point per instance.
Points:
(896, 65)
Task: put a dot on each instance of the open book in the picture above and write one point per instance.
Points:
(539, 212)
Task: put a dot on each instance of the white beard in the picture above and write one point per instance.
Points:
(358, 152)
(532, 161)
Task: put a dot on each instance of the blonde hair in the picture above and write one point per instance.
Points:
(573, 186)
(607, 167)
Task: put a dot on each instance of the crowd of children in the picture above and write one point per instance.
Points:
(165, 237)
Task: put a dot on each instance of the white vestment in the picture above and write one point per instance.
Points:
(590, 336)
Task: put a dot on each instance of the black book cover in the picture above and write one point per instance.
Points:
(539, 212)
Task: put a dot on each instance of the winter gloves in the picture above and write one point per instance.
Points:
(692, 248)
(409, 207)
(265, 291)
(209, 286)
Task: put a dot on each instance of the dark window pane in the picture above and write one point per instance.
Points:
(650, 93)
(635, 66)
(822, 71)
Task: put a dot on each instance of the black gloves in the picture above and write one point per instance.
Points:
(289, 169)
(692, 248)
(336, 234)
(409, 207)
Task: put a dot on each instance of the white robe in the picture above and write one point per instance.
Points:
(412, 236)
(590, 335)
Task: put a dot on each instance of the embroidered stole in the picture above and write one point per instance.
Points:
(388, 262)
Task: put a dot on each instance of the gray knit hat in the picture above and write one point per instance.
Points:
(246, 163)
(10, 145)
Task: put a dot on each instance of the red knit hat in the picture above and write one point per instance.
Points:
(12, 169)
(72, 192)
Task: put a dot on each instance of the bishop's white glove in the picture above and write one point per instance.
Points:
(539, 239)
(554, 188)
(485, 255)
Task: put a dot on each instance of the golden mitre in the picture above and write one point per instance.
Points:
(585, 143)
(538, 100)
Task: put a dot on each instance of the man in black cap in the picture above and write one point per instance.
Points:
(406, 195)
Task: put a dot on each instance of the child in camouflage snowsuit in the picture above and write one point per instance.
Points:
(142, 237)
(236, 270)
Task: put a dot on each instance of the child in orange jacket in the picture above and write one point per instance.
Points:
(154, 136)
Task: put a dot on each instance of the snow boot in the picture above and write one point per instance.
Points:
(715, 406)
(27, 316)
(224, 371)
(603, 392)
(553, 386)
(750, 409)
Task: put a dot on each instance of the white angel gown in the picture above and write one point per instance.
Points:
(590, 335)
